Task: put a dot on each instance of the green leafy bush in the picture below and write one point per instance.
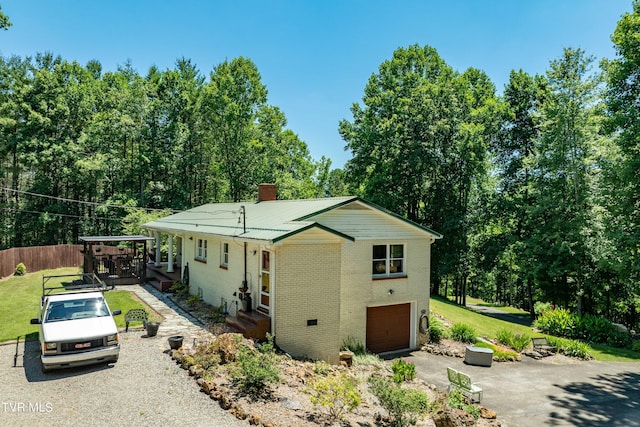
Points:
(353, 345)
(21, 270)
(463, 333)
(404, 405)
(338, 393)
(541, 307)
(636, 346)
(403, 371)
(436, 330)
(619, 339)
(457, 401)
(571, 348)
(518, 342)
(255, 370)
(593, 328)
(559, 322)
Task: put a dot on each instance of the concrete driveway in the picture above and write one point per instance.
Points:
(555, 391)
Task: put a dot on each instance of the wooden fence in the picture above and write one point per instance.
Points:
(37, 258)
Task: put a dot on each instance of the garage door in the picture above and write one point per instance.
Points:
(388, 327)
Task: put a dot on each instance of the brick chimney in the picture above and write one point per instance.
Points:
(266, 192)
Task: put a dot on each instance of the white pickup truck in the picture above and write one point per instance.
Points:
(76, 329)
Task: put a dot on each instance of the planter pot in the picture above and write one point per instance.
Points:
(175, 342)
(152, 328)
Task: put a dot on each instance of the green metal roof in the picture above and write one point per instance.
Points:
(270, 221)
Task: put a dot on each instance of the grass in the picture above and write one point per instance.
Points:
(488, 327)
(20, 296)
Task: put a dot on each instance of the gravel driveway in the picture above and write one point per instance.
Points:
(144, 388)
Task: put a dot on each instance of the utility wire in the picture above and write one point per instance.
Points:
(60, 215)
(62, 199)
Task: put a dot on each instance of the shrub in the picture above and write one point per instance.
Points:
(207, 356)
(436, 330)
(541, 307)
(21, 270)
(403, 371)
(619, 339)
(255, 371)
(463, 333)
(636, 346)
(339, 393)
(404, 405)
(559, 322)
(499, 352)
(518, 342)
(368, 360)
(353, 345)
(321, 367)
(571, 348)
(457, 401)
(593, 328)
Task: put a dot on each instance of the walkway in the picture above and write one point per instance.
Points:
(176, 320)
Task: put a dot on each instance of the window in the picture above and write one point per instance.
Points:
(224, 255)
(388, 260)
(201, 250)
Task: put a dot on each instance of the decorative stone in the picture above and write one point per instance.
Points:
(488, 414)
(255, 420)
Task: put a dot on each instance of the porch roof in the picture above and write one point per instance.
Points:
(100, 239)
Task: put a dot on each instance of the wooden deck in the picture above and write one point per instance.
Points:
(253, 324)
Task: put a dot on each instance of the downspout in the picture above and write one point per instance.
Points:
(244, 230)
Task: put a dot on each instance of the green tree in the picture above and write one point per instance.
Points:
(623, 91)
(419, 147)
(4, 21)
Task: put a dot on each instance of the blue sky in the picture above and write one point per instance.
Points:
(314, 56)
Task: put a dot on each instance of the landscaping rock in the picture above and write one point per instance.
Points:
(488, 414)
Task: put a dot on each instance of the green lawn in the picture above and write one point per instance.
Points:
(20, 302)
(488, 327)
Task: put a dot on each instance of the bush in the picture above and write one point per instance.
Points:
(559, 322)
(404, 405)
(541, 307)
(403, 371)
(593, 328)
(463, 333)
(619, 339)
(353, 345)
(457, 401)
(636, 346)
(207, 356)
(436, 330)
(21, 270)
(499, 352)
(339, 393)
(518, 342)
(571, 348)
(255, 371)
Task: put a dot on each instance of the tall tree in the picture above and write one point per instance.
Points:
(419, 146)
(623, 93)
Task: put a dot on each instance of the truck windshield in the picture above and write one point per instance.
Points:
(76, 309)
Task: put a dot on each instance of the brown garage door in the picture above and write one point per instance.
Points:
(388, 327)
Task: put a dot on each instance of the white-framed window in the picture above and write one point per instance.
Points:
(224, 254)
(201, 250)
(388, 260)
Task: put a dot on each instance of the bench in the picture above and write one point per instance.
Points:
(462, 381)
(136, 315)
(542, 346)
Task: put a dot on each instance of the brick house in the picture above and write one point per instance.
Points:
(317, 271)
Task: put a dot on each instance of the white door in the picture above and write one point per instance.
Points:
(266, 279)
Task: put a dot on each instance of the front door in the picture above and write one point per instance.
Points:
(266, 277)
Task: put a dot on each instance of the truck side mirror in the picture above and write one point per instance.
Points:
(36, 321)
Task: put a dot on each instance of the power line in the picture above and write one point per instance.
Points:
(60, 215)
(63, 199)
